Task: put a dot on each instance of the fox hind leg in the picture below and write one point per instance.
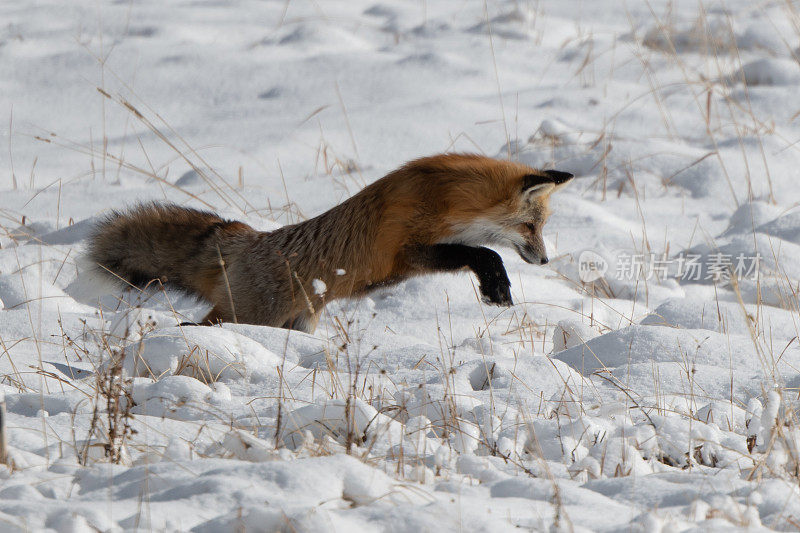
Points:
(305, 322)
(215, 316)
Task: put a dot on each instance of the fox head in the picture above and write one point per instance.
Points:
(533, 209)
(503, 203)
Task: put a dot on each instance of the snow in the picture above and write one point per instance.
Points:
(319, 286)
(607, 398)
(769, 71)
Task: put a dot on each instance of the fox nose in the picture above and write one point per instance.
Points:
(544, 260)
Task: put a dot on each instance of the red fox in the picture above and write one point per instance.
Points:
(434, 214)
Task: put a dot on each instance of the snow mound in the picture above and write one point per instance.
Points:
(208, 353)
(722, 35)
(179, 397)
(708, 37)
(768, 71)
(767, 35)
(71, 234)
(723, 317)
(641, 346)
(571, 333)
(749, 216)
(786, 227)
(337, 418)
(316, 37)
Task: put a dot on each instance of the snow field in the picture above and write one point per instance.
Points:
(653, 402)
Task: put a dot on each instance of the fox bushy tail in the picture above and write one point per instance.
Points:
(169, 243)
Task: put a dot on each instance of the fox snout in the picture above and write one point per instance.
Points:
(532, 250)
(533, 254)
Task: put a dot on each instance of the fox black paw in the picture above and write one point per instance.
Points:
(498, 293)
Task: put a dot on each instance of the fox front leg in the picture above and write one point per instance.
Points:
(487, 265)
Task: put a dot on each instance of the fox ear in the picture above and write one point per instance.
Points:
(545, 183)
(559, 178)
(535, 187)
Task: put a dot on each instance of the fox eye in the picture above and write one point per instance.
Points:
(531, 226)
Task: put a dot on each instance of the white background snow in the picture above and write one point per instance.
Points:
(651, 403)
